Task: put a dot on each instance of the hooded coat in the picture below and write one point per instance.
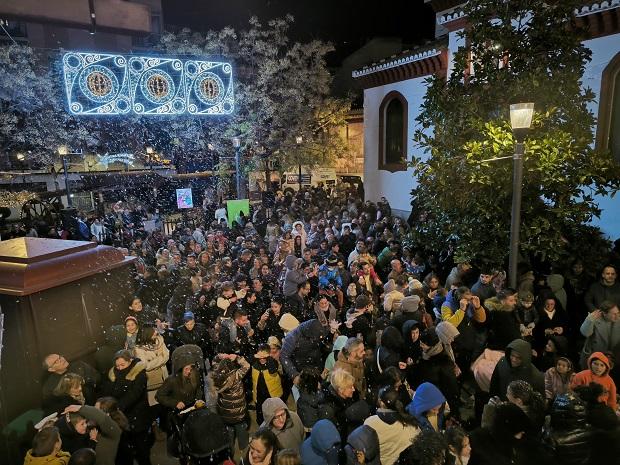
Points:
(504, 373)
(304, 347)
(585, 377)
(427, 397)
(556, 284)
(394, 435)
(293, 275)
(363, 438)
(322, 447)
(292, 434)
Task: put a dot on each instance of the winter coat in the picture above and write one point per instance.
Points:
(504, 373)
(292, 434)
(321, 448)
(270, 373)
(356, 369)
(363, 438)
(601, 336)
(502, 323)
(228, 379)
(394, 436)
(556, 384)
(177, 389)
(569, 435)
(357, 323)
(199, 336)
(71, 439)
(556, 284)
(585, 377)
(427, 397)
(304, 347)
(560, 318)
(154, 356)
(308, 407)
(108, 437)
(599, 292)
(346, 414)
(292, 276)
(60, 458)
(128, 386)
(439, 370)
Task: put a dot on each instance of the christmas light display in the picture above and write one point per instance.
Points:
(105, 84)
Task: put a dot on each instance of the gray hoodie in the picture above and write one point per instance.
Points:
(293, 275)
(292, 434)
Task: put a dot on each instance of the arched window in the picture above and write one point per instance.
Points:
(608, 129)
(393, 124)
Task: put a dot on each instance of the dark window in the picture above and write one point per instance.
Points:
(393, 133)
(608, 129)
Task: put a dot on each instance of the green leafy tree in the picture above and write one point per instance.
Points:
(519, 51)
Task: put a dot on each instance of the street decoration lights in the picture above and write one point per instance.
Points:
(110, 84)
(520, 120)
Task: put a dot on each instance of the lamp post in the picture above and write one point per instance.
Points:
(299, 140)
(520, 120)
(63, 151)
(237, 145)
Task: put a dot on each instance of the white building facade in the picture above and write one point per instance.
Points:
(395, 87)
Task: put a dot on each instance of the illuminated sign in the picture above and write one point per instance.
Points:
(184, 198)
(104, 84)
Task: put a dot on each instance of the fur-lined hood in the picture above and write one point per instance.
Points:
(132, 374)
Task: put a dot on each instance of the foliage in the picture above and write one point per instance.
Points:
(520, 51)
(282, 91)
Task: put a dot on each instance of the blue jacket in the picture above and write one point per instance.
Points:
(426, 397)
(323, 445)
(363, 438)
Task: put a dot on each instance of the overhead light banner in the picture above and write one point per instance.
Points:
(104, 84)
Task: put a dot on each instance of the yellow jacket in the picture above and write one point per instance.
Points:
(272, 380)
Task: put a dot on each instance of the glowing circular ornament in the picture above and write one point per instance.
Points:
(98, 83)
(209, 88)
(157, 86)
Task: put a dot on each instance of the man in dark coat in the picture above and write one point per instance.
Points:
(56, 366)
(305, 346)
(516, 364)
(195, 333)
(607, 288)
(297, 304)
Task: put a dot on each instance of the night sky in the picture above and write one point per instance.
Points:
(348, 24)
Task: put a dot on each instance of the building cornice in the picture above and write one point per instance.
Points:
(597, 7)
(410, 66)
(396, 62)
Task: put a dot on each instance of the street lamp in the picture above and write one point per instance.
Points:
(236, 141)
(63, 151)
(520, 120)
(299, 140)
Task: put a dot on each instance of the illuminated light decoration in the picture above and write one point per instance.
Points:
(124, 158)
(15, 199)
(105, 84)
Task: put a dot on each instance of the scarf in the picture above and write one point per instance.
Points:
(436, 349)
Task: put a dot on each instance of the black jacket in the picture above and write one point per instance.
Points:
(345, 414)
(128, 386)
(439, 370)
(504, 373)
(198, 336)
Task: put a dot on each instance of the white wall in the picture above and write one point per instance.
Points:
(603, 51)
(396, 187)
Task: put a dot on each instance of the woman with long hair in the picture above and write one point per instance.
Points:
(395, 428)
(68, 391)
(152, 351)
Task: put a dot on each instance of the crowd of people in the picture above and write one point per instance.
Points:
(314, 332)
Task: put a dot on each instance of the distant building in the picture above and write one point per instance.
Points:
(394, 89)
(95, 25)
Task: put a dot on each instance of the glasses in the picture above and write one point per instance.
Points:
(55, 362)
(280, 416)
